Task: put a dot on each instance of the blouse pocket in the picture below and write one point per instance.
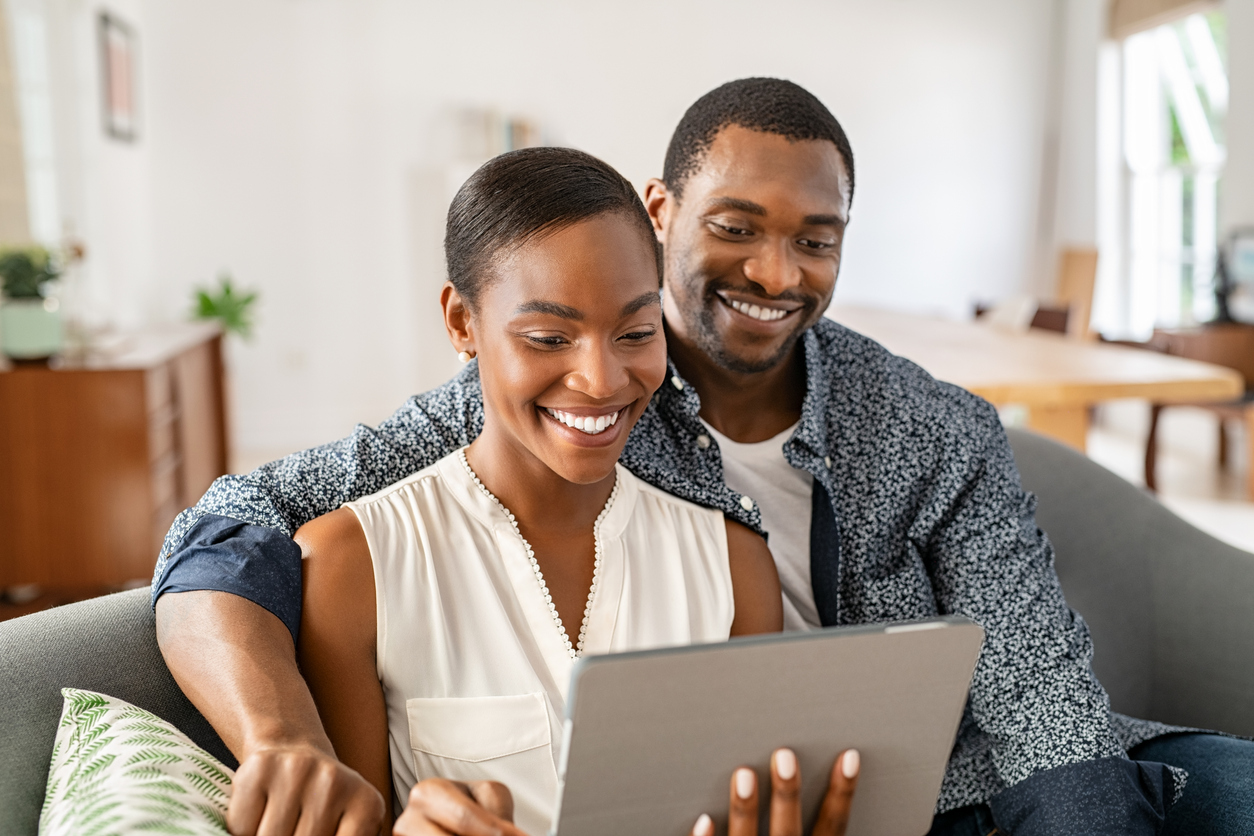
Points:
(478, 729)
(504, 739)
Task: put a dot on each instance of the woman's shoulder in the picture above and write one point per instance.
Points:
(430, 478)
(652, 513)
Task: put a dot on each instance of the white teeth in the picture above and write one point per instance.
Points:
(585, 423)
(758, 312)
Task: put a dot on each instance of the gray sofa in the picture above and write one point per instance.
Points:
(1171, 610)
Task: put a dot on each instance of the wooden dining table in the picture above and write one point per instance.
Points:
(1055, 377)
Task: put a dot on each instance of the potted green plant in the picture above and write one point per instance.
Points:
(30, 322)
(230, 307)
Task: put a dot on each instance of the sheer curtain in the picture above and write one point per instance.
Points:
(1163, 95)
(14, 227)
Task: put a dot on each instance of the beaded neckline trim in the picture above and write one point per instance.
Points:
(576, 649)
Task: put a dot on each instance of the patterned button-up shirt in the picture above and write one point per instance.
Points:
(917, 511)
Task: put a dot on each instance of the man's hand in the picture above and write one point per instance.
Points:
(237, 664)
(785, 815)
(451, 808)
(299, 789)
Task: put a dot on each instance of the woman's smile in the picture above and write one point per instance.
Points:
(589, 422)
(587, 426)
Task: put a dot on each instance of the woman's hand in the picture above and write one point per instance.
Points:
(451, 808)
(785, 818)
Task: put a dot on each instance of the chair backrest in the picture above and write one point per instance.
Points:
(106, 644)
(1169, 606)
(1077, 276)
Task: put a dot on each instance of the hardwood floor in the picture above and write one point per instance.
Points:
(1190, 481)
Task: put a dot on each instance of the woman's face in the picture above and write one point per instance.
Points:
(568, 333)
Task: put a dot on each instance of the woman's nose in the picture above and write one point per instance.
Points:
(599, 374)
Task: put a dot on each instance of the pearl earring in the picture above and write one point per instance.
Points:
(465, 356)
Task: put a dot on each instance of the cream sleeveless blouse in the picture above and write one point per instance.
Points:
(474, 669)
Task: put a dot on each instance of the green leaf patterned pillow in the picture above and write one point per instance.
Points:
(117, 769)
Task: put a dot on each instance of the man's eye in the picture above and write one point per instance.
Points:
(811, 244)
(733, 231)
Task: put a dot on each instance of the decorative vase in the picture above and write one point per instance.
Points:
(30, 329)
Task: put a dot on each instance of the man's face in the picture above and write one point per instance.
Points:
(753, 250)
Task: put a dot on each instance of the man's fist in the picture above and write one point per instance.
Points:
(300, 790)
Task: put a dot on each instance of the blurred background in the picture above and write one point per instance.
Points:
(304, 152)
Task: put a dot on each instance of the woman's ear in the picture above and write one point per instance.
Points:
(457, 320)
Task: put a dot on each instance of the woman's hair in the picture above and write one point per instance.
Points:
(523, 195)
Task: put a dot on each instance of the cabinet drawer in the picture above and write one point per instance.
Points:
(162, 427)
(158, 388)
(162, 519)
(165, 482)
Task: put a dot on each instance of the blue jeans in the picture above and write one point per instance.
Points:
(1218, 799)
(976, 820)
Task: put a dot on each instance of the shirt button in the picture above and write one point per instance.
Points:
(746, 503)
(703, 441)
(827, 460)
(678, 384)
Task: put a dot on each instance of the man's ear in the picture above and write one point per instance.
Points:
(457, 319)
(659, 206)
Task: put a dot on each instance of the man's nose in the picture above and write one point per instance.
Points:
(599, 374)
(773, 267)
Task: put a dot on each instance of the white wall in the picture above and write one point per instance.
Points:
(1069, 200)
(1236, 198)
(303, 145)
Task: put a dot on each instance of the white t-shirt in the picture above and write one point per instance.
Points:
(782, 493)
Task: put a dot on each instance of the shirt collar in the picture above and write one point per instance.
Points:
(679, 398)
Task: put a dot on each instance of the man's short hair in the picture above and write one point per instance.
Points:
(769, 105)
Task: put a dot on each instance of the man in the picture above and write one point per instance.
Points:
(886, 496)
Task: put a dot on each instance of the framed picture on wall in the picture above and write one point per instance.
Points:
(118, 58)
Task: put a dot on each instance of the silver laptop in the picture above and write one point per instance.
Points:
(652, 737)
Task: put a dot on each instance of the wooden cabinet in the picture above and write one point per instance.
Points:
(97, 457)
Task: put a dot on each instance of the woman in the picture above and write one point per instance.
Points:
(443, 615)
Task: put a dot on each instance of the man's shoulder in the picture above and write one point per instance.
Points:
(452, 396)
(404, 490)
(862, 372)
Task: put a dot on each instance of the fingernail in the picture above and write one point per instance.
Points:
(704, 826)
(745, 779)
(785, 764)
(850, 762)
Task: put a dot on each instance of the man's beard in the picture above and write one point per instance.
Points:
(707, 337)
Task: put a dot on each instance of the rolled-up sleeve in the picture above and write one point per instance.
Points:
(237, 538)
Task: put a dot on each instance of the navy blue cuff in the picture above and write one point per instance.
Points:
(251, 561)
(1112, 796)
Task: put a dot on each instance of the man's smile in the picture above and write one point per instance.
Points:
(757, 308)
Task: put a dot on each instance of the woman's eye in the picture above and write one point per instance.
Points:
(637, 336)
(547, 342)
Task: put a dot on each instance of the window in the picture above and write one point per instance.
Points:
(1163, 94)
(34, 100)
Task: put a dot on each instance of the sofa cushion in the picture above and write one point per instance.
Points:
(108, 645)
(119, 769)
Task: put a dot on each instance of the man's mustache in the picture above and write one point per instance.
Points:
(713, 286)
